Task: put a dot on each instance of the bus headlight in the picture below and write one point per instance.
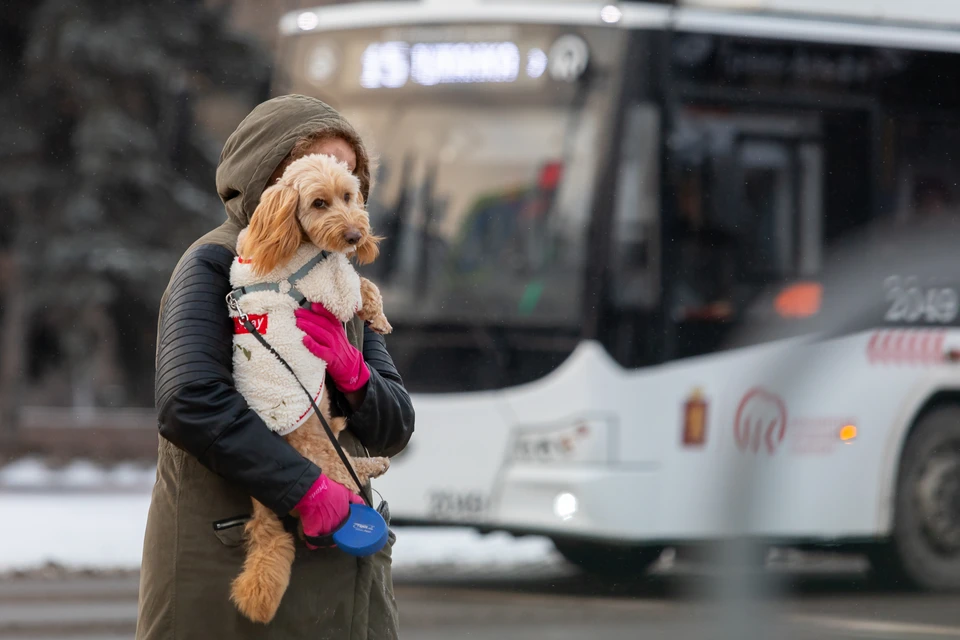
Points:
(565, 505)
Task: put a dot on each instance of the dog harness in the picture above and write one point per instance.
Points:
(311, 276)
(233, 298)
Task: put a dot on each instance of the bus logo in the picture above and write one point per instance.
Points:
(761, 421)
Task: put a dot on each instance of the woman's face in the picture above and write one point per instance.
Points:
(336, 147)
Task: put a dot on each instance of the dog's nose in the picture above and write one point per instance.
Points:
(352, 236)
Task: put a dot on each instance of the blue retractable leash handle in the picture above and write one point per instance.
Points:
(364, 532)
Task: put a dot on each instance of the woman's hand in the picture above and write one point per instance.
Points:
(327, 340)
(324, 506)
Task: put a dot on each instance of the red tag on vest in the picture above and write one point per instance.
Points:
(259, 323)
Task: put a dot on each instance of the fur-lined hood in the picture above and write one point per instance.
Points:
(263, 140)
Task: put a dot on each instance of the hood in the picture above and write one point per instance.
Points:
(263, 140)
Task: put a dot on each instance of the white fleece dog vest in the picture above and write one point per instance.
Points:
(266, 385)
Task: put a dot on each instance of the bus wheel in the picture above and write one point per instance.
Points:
(608, 559)
(924, 550)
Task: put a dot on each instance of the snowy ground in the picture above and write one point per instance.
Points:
(86, 517)
(30, 474)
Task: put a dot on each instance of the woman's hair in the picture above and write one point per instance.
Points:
(363, 170)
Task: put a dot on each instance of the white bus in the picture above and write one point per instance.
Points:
(583, 201)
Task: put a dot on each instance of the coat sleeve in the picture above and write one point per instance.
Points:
(384, 422)
(199, 408)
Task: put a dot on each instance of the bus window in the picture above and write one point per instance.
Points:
(493, 207)
(767, 219)
(931, 198)
(926, 167)
(748, 214)
(487, 181)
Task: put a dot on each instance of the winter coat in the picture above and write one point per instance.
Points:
(260, 377)
(215, 453)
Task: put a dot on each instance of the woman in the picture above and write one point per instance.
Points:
(215, 453)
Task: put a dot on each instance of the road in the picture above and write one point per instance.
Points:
(820, 602)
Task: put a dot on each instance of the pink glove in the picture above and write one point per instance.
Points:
(325, 506)
(327, 340)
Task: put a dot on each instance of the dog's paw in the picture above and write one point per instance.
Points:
(371, 467)
(381, 466)
(380, 325)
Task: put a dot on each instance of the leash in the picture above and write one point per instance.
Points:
(234, 305)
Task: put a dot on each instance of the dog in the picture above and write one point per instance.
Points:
(296, 250)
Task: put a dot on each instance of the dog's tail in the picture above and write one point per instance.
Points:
(259, 588)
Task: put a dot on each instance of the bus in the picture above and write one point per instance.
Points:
(585, 203)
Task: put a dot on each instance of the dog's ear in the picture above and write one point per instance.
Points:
(274, 233)
(368, 250)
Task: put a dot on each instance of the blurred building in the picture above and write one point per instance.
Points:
(114, 115)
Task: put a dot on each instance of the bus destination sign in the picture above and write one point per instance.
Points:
(417, 60)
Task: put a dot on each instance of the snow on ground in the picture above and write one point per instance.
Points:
(105, 531)
(78, 531)
(33, 474)
(468, 549)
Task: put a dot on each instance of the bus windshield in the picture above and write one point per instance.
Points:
(487, 150)
(488, 140)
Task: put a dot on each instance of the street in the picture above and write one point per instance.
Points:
(632, 295)
(825, 601)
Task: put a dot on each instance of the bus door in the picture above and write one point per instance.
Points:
(747, 201)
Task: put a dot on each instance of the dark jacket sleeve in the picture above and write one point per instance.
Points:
(384, 422)
(199, 408)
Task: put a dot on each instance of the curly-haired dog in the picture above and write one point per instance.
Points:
(295, 250)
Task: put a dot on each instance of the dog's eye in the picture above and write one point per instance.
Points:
(319, 203)
(346, 198)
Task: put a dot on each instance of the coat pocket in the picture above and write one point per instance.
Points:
(229, 531)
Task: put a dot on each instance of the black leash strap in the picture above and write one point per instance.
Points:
(333, 439)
